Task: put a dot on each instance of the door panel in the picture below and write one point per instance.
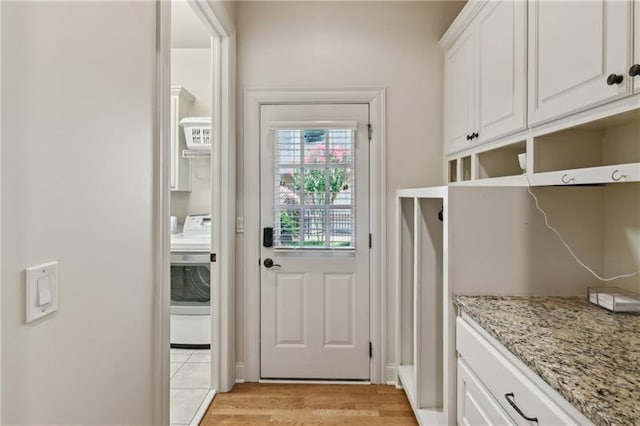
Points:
(314, 193)
(569, 64)
(502, 30)
(339, 309)
(290, 310)
(460, 99)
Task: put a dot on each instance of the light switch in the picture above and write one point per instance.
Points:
(44, 291)
(41, 290)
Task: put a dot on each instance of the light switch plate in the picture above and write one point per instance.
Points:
(41, 290)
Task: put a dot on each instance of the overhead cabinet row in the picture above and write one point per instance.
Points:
(510, 65)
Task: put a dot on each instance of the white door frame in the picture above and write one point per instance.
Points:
(216, 19)
(253, 100)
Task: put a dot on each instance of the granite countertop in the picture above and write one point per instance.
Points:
(588, 355)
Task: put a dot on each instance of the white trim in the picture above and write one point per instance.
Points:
(315, 382)
(216, 20)
(461, 23)
(253, 99)
(0, 218)
(293, 125)
(162, 194)
(202, 410)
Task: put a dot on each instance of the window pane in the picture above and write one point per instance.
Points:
(341, 228)
(287, 230)
(314, 188)
(314, 231)
(288, 145)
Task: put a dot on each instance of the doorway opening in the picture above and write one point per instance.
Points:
(305, 231)
(191, 193)
(196, 127)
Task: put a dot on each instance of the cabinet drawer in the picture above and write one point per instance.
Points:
(505, 381)
(476, 406)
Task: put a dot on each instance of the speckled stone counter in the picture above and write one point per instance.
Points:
(589, 356)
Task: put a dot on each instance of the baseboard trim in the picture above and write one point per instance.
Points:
(197, 418)
(391, 375)
(241, 369)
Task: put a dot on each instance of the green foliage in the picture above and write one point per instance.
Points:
(290, 222)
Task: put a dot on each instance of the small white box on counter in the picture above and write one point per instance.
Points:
(614, 299)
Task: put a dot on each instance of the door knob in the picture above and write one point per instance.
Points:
(614, 79)
(268, 263)
(634, 70)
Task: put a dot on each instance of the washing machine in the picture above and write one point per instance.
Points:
(191, 284)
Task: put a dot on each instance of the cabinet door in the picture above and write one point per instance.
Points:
(476, 406)
(502, 27)
(180, 167)
(573, 47)
(636, 56)
(175, 140)
(459, 96)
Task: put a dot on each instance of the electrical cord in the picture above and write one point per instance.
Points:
(566, 245)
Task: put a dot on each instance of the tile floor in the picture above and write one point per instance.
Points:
(190, 379)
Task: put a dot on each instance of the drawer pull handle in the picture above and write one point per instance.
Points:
(509, 397)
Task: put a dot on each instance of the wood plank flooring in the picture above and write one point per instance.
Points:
(306, 404)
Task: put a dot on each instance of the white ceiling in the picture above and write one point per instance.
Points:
(186, 28)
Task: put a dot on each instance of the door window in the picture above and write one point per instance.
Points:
(314, 189)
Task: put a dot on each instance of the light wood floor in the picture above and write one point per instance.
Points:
(302, 404)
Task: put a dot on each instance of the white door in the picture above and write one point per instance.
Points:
(314, 285)
(574, 46)
(502, 59)
(459, 92)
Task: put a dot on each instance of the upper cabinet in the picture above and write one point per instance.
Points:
(459, 99)
(525, 84)
(181, 101)
(578, 55)
(634, 70)
(485, 75)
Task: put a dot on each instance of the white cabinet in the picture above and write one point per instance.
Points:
(485, 76)
(502, 55)
(459, 92)
(578, 55)
(181, 101)
(476, 406)
(511, 391)
(634, 70)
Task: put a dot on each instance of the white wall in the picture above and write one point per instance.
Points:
(353, 44)
(622, 233)
(77, 182)
(191, 68)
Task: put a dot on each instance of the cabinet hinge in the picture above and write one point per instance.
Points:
(370, 350)
(370, 240)
(213, 257)
(370, 130)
